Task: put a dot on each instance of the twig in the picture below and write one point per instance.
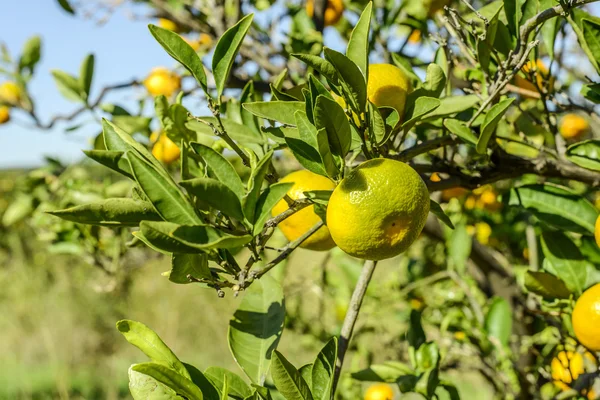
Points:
(351, 316)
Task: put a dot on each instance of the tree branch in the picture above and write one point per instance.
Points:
(351, 316)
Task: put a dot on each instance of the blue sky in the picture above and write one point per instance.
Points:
(124, 49)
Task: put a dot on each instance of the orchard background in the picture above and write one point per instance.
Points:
(181, 224)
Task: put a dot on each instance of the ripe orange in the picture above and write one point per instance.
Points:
(162, 81)
(333, 11)
(389, 86)
(586, 316)
(164, 149)
(296, 225)
(573, 126)
(4, 114)
(380, 391)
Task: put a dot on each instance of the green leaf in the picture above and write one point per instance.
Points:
(267, 200)
(116, 139)
(416, 334)
(255, 183)
(144, 387)
(66, 6)
(226, 50)
(453, 105)
(216, 194)
(459, 247)
(406, 67)
(86, 75)
(280, 111)
(586, 154)
(549, 29)
(436, 209)
(18, 209)
(352, 80)
(546, 285)
(256, 327)
(460, 129)
(566, 260)
(180, 384)
(388, 372)
(512, 8)
(498, 321)
(591, 92)
(111, 159)
(31, 54)
(183, 265)
(427, 357)
(181, 52)
(358, 45)
(556, 206)
(238, 389)
(323, 66)
(306, 373)
(110, 212)
(591, 33)
(331, 167)
(151, 345)
(220, 168)
(435, 81)
(208, 389)
(379, 134)
(330, 115)
(323, 369)
(288, 380)
(168, 200)
(421, 109)
(67, 85)
(492, 117)
(133, 123)
(576, 18)
(175, 238)
(305, 148)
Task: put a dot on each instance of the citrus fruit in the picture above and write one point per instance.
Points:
(586, 316)
(333, 11)
(567, 366)
(455, 192)
(415, 37)
(379, 391)
(162, 81)
(378, 209)
(10, 93)
(388, 86)
(573, 126)
(299, 223)
(164, 149)
(542, 73)
(168, 24)
(4, 114)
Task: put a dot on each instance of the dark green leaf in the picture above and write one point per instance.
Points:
(111, 159)
(256, 327)
(331, 167)
(460, 129)
(238, 389)
(168, 200)
(556, 206)
(226, 50)
(181, 52)
(591, 33)
(66, 6)
(183, 265)
(116, 139)
(288, 380)
(352, 80)
(492, 117)
(379, 134)
(280, 111)
(216, 194)
(323, 66)
(267, 200)
(322, 371)
(546, 285)
(110, 212)
(436, 209)
(358, 45)
(566, 260)
(415, 334)
(388, 372)
(255, 183)
(453, 105)
(180, 384)
(220, 168)
(208, 389)
(86, 75)
(330, 115)
(421, 108)
(31, 54)
(591, 92)
(151, 345)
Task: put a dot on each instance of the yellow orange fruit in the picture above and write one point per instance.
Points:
(299, 223)
(162, 81)
(378, 210)
(542, 74)
(573, 126)
(415, 37)
(597, 231)
(10, 93)
(333, 11)
(379, 391)
(4, 114)
(455, 192)
(388, 85)
(168, 24)
(164, 149)
(566, 367)
(586, 316)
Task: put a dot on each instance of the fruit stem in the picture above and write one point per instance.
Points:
(351, 316)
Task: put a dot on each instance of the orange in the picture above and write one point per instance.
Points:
(333, 11)
(10, 93)
(597, 231)
(299, 223)
(586, 315)
(542, 74)
(380, 391)
(168, 24)
(4, 114)
(162, 81)
(388, 86)
(164, 149)
(573, 126)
